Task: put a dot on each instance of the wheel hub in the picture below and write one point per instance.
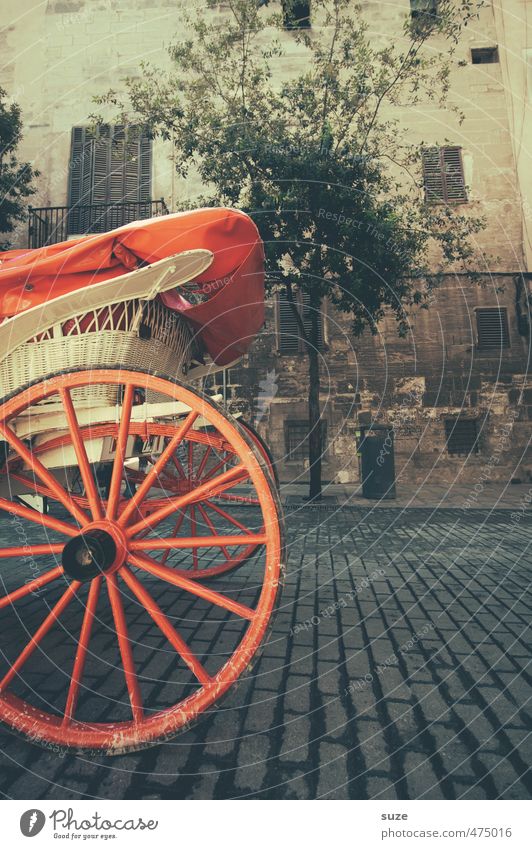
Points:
(97, 550)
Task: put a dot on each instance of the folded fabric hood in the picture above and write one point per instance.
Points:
(231, 310)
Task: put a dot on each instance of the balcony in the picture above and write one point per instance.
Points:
(51, 224)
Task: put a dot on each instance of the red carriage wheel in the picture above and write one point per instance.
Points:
(108, 646)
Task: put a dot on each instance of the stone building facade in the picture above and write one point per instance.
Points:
(58, 54)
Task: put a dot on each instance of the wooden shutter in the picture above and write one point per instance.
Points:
(432, 175)
(100, 178)
(80, 187)
(492, 328)
(306, 315)
(110, 165)
(453, 173)
(288, 329)
(443, 175)
(145, 168)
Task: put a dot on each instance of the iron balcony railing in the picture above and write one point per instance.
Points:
(51, 224)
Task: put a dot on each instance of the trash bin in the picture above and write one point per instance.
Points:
(377, 464)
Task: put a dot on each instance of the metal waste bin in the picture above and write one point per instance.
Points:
(377, 463)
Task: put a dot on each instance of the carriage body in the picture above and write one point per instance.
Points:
(106, 447)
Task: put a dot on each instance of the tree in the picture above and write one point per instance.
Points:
(16, 178)
(318, 158)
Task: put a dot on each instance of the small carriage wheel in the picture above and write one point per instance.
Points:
(102, 573)
(204, 454)
(197, 468)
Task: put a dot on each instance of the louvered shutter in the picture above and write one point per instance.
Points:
(288, 330)
(306, 315)
(432, 175)
(145, 160)
(102, 163)
(453, 174)
(80, 188)
(443, 175)
(492, 328)
(110, 167)
(289, 341)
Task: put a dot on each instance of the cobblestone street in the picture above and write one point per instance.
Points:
(398, 667)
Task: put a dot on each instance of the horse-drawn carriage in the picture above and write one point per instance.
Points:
(141, 542)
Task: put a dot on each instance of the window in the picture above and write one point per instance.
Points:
(296, 14)
(296, 439)
(484, 55)
(109, 164)
(289, 341)
(461, 436)
(492, 328)
(443, 175)
(423, 11)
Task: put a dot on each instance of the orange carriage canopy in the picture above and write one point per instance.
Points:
(232, 288)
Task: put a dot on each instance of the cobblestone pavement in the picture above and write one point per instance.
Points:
(398, 667)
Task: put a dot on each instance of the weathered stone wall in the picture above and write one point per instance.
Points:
(412, 384)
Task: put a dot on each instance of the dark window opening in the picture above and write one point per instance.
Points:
(423, 12)
(288, 331)
(461, 436)
(296, 14)
(484, 55)
(296, 439)
(492, 328)
(443, 175)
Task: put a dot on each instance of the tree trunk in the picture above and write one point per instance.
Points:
(311, 343)
(314, 418)
(315, 442)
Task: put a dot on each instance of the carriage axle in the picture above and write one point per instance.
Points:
(99, 549)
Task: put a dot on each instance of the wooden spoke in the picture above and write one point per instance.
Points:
(32, 550)
(42, 472)
(166, 627)
(124, 644)
(158, 466)
(194, 587)
(177, 526)
(193, 533)
(204, 461)
(195, 542)
(82, 649)
(121, 443)
(31, 586)
(218, 466)
(228, 517)
(40, 633)
(190, 459)
(226, 480)
(206, 518)
(38, 518)
(91, 491)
